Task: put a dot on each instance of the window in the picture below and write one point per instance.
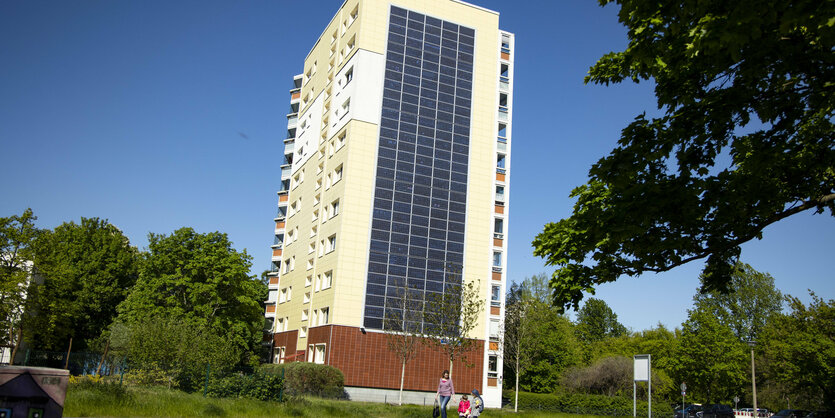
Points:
(324, 316)
(337, 174)
(313, 230)
(494, 329)
(313, 218)
(321, 248)
(320, 168)
(334, 36)
(292, 263)
(281, 325)
(497, 259)
(303, 332)
(283, 297)
(331, 243)
(353, 16)
(279, 355)
(327, 280)
(493, 366)
(340, 140)
(349, 75)
(333, 209)
(496, 295)
(350, 46)
(502, 130)
(317, 353)
(500, 193)
(500, 161)
(318, 284)
(289, 292)
(498, 228)
(317, 199)
(306, 298)
(305, 314)
(318, 184)
(310, 264)
(308, 280)
(345, 108)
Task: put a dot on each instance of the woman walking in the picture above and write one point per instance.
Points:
(445, 391)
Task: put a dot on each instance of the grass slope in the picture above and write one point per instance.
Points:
(162, 402)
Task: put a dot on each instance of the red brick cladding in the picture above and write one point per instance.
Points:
(289, 340)
(366, 361)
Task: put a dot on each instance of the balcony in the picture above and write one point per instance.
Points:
(504, 83)
(501, 146)
(289, 146)
(292, 120)
(285, 171)
(295, 94)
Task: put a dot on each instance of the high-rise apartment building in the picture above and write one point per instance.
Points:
(395, 172)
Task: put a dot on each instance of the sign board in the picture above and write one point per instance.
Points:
(641, 368)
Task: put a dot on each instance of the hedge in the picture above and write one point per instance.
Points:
(302, 378)
(575, 403)
(260, 386)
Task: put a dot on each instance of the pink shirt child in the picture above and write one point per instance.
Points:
(463, 407)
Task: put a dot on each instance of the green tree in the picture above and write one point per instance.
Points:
(87, 270)
(552, 346)
(799, 347)
(751, 300)
(745, 138)
(450, 317)
(199, 280)
(403, 328)
(17, 236)
(710, 358)
(518, 330)
(597, 321)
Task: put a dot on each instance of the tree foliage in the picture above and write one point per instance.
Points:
(87, 270)
(744, 139)
(799, 347)
(451, 316)
(17, 236)
(710, 358)
(201, 280)
(597, 321)
(751, 300)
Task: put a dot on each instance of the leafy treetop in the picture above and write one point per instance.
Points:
(745, 139)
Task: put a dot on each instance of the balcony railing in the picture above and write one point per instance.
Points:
(285, 171)
(292, 121)
(289, 147)
(503, 114)
(504, 83)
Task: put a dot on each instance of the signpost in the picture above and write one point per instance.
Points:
(641, 373)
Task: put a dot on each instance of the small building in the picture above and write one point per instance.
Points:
(32, 392)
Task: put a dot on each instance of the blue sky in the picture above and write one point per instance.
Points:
(157, 115)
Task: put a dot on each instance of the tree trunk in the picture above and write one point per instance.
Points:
(106, 346)
(516, 402)
(69, 349)
(16, 344)
(402, 377)
(450, 369)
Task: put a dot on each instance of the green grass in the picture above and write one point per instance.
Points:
(162, 402)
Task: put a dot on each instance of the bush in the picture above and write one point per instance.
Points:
(260, 386)
(586, 404)
(97, 385)
(302, 378)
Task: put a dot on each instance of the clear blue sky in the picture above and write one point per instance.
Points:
(157, 115)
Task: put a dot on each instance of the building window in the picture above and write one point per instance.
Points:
(500, 194)
(497, 259)
(498, 228)
(340, 140)
(333, 210)
(318, 284)
(496, 295)
(494, 329)
(502, 130)
(500, 161)
(306, 298)
(283, 296)
(313, 231)
(331, 243)
(337, 174)
(493, 366)
(324, 316)
(278, 355)
(346, 107)
(303, 332)
(308, 280)
(310, 264)
(327, 280)
(316, 353)
(349, 75)
(305, 314)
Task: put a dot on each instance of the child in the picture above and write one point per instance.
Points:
(477, 405)
(464, 407)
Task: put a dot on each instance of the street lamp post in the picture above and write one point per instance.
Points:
(754, 379)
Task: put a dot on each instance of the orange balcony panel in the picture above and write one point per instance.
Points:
(283, 198)
(505, 56)
(492, 381)
(270, 308)
(279, 225)
(274, 280)
(495, 310)
(498, 242)
(295, 95)
(499, 209)
(500, 176)
(497, 276)
(277, 252)
(494, 345)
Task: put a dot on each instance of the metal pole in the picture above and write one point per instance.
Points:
(754, 381)
(649, 385)
(634, 400)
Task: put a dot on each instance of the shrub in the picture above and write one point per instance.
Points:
(302, 378)
(586, 404)
(260, 386)
(97, 385)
